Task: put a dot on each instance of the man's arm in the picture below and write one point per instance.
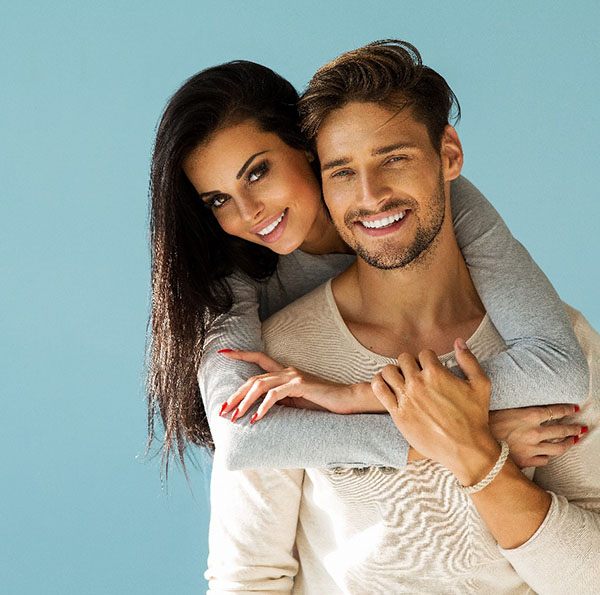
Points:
(544, 535)
(252, 531)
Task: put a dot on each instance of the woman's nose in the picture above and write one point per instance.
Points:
(250, 208)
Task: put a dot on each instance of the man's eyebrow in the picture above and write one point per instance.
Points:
(395, 147)
(379, 151)
(335, 163)
(248, 162)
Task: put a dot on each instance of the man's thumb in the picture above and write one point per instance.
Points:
(468, 362)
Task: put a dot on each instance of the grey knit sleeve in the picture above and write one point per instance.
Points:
(544, 362)
(285, 438)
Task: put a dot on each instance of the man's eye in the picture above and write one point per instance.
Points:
(342, 173)
(396, 158)
(258, 172)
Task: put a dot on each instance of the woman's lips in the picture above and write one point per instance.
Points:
(277, 232)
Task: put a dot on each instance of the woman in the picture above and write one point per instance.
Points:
(216, 272)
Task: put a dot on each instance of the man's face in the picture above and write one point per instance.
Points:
(384, 182)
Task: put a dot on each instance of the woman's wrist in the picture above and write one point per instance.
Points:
(363, 400)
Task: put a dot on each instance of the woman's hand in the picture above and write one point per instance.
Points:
(293, 387)
(533, 433)
(443, 417)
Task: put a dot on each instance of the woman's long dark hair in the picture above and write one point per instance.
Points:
(191, 255)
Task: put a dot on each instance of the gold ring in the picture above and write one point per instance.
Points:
(551, 414)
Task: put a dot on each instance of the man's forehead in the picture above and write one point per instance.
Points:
(365, 123)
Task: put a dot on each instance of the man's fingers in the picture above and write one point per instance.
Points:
(408, 365)
(384, 393)
(254, 357)
(468, 363)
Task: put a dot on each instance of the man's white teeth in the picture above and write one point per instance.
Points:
(267, 230)
(385, 222)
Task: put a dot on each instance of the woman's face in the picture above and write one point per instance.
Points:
(258, 187)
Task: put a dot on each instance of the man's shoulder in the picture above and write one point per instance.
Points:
(304, 311)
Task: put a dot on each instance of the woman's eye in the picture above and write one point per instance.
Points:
(258, 172)
(218, 200)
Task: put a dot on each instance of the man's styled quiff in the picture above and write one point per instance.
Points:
(390, 72)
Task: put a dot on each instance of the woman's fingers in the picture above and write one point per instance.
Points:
(253, 387)
(554, 449)
(549, 413)
(273, 396)
(555, 432)
(254, 357)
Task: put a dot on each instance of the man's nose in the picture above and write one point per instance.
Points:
(250, 208)
(374, 188)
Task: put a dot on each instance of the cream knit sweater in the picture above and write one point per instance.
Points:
(384, 530)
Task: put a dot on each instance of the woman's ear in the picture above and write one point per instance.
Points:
(451, 154)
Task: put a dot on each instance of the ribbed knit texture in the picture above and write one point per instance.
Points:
(543, 365)
(385, 530)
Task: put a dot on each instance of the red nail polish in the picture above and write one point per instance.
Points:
(253, 418)
(584, 429)
(225, 351)
(575, 439)
(236, 412)
(577, 408)
(223, 407)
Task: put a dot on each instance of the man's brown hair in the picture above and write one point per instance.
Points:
(390, 72)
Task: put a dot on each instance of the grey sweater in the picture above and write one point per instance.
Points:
(543, 363)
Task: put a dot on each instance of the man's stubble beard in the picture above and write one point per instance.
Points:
(390, 257)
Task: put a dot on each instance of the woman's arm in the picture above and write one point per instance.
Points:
(543, 363)
(283, 439)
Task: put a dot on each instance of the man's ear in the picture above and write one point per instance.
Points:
(309, 155)
(451, 154)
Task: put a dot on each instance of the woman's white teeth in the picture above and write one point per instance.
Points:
(267, 230)
(379, 223)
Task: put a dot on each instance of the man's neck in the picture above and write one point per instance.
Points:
(425, 305)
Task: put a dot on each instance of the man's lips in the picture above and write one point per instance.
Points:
(383, 223)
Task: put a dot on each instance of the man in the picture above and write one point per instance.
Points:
(388, 155)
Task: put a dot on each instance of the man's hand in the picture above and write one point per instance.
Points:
(295, 388)
(443, 417)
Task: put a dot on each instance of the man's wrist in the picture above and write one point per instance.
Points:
(475, 460)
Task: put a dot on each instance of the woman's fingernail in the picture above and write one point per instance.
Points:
(584, 429)
(577, 408)
(575, 439)
(461, 344)
(225, 351)
(253, 418)
(223, 407)
(236, 412)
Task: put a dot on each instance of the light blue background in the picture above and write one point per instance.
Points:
(82, 87)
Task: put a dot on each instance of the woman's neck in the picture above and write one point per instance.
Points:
(323, 237)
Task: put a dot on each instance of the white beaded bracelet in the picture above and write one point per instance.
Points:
(491, 475)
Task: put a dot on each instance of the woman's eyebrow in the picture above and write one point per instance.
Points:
(248, 162)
